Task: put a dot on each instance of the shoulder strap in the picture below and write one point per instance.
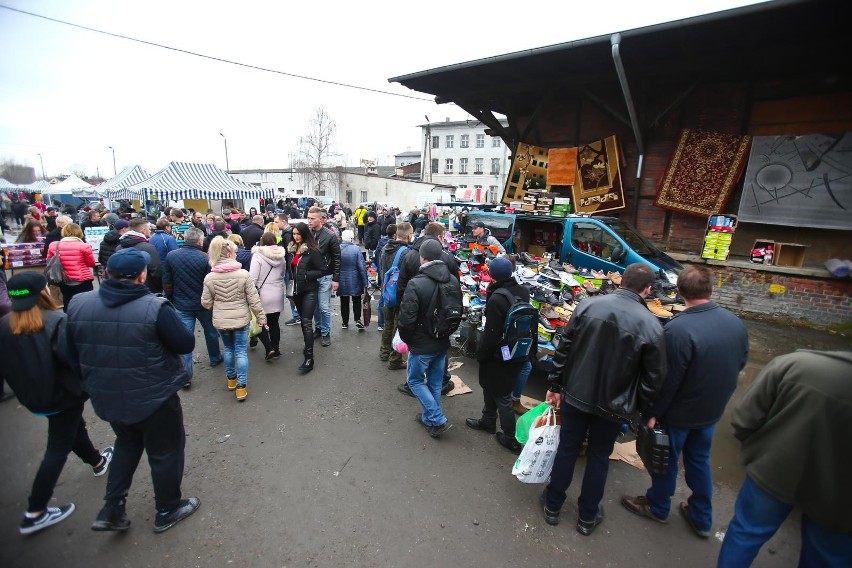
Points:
(508, 295)
(398, 255)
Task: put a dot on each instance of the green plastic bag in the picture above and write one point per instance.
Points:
(522, 426)
(254, 328)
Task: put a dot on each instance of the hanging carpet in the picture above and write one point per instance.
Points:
(703, 172)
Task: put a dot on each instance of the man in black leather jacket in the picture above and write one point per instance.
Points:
(330, 248)
(610, 362)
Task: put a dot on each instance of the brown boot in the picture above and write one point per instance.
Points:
(657, 308)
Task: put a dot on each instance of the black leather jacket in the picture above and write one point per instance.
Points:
(610, 359)
(330, 248)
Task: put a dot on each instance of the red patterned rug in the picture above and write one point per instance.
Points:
(703, 172)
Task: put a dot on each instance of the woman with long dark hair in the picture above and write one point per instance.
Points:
(37, 366)
(307, 266)
(31, 232)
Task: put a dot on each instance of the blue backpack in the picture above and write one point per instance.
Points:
(389, 280)
(521, 328)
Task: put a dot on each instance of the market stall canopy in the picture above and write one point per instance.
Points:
(185, 180)
(544, 92)
(116, 187)
(67, 186)
(6, 184)
(40, 185)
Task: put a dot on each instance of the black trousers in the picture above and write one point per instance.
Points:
(344, 308)
(306, 303)
(271, 339)
(69, 292)
(163, 438)
(66, 432)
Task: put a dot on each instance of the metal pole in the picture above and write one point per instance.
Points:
(227, 165)
(114, 170)
(42, 166)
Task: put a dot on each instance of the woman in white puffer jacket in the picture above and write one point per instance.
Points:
(268, 263)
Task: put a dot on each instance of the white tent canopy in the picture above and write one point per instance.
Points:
(185, 180)
(116, 187)
(67, 186)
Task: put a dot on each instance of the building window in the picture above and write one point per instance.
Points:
(495, 142)
(450, 140)
(478, 166)
(492, 193)
(434, 165)
(436, 141)
(462, 164)
(495, 166)
(462, 187)
(364, 196)
(448, 165)
(480, 140)
(464, 142)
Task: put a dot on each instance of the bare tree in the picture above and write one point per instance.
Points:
(316, 154)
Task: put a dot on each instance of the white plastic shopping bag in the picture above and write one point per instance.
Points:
(398, 344)
(536, 459)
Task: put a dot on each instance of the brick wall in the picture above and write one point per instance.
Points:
(821, 301)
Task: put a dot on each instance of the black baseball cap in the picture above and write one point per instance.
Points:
(24, 290)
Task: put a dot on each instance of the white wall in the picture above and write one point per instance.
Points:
(388, 191)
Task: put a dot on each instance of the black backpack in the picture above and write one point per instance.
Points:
(521, 328)
(445, 310)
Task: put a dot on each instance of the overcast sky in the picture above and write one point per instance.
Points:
(69, 93)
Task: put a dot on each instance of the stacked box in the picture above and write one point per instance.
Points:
(24, 254)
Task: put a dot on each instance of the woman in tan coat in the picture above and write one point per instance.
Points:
(230, 293)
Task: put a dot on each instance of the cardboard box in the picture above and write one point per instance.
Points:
(789, 254)
(528, 206)
(536, 250)
(763, 243)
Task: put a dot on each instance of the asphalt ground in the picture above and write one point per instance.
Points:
(331, 469)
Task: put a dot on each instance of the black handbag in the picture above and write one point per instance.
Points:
(653, 447)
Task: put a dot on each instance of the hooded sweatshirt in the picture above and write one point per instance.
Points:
(132, 239)
(268, 264)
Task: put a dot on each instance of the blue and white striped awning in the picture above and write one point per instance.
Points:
(185, 180)
(117, 186)
(6, 184)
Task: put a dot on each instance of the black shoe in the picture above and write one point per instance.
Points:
(326, 340)
(111, 518)
(405, 389)
(293, 321)
(550, 517)
(476, 424)
(586, 528)
(50, 516)
(276, 353)
(187, 386)
(447, 387)
(307, 365)
(253, 342)
(184, 509)
(270, 355)
(436, 431)
(360, 325)
(509, 442)
(317, 333)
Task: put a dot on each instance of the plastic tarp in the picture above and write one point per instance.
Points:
(186, 180)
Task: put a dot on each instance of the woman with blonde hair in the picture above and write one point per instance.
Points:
(272, 227)
(77, 261)
(230, 293)
(243, 254)
(37, 366)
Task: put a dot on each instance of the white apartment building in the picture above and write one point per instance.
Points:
(461, 154)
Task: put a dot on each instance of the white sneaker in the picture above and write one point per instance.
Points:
(380, 328)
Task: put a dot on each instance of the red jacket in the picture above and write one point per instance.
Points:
(76, 257)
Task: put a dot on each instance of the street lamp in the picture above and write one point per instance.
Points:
(227, 166)
(42, 166)
(114, 171)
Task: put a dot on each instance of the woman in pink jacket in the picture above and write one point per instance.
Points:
(77, 261)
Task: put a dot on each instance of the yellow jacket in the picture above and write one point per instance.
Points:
(359, 216)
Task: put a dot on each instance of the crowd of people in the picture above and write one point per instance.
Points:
(615, 363)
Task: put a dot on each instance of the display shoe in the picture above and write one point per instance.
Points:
(528, 260)
(615, 277)
(567, 279)
(591, 288)
(657, 308)
(232, 383)
(598, 274)
(569, 268)
(550, 274)
(585, 272)
(546, 325)
(555, 265)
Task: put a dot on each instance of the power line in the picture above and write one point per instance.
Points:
(219, 59)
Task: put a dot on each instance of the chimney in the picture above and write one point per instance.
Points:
(448, 119)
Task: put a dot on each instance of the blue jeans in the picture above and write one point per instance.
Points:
(236, 353)
(422, 368)
(757, 515)
(211, 335)
(323, 316)
(521, 380)
(694, 445)
(576, 424)
(381, 311)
